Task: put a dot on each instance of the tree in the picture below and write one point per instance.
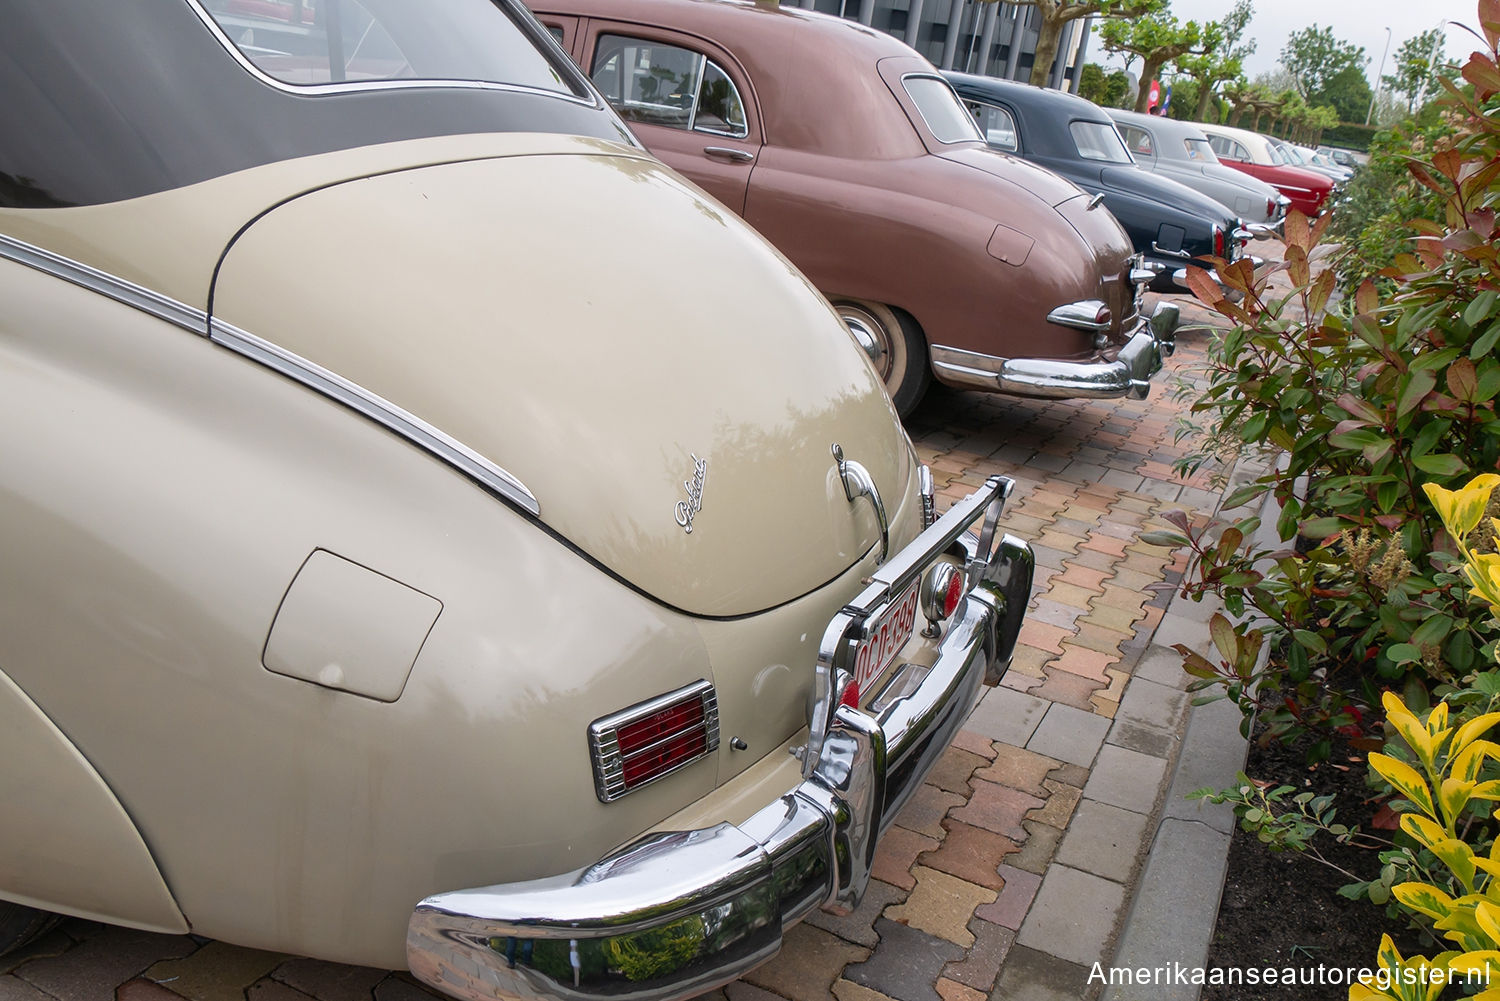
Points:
(1346, 92)
(1106, 90)
(1224, 59)
(1158, 38)
(1053, 14)
(1417, 61)
(1315, 58)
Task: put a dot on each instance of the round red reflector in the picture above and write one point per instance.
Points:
(955, 591)
(850, 695)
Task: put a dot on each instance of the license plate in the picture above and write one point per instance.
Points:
(885, 635)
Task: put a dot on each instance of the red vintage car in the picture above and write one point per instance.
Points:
(1251, 152)
(848, 151)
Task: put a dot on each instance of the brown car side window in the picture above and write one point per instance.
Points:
(658, 83)
(996, 123)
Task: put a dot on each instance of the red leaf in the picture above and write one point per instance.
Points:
(1385, 819)
(1367, 298)
(1204, 288)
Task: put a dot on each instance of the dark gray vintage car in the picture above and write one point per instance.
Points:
(1169, 223)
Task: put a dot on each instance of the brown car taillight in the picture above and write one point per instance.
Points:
(652, 739)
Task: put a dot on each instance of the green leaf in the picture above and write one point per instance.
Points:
(1255, 428)
(1320, 528)
(1414, 389)
(1442, 464)
(1168, 540)
(1403, 653)
(1481, 306)
(1356, 438)
(1311, 641)
(1485, 345)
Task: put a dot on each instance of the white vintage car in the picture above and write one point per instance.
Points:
(431, 532)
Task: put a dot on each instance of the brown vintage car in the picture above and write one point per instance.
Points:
(853, 156)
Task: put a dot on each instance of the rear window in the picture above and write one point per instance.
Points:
(941, 110)
(308, 43)
(1097, 141)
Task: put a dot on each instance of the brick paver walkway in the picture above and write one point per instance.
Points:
(1008, 874)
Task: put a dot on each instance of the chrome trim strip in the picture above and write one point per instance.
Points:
(194, 321)
(380, 410)
(604, 747)
(316, 89)
(977, 137)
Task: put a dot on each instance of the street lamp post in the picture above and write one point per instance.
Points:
(1383, 53)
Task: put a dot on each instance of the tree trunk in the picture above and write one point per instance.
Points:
(1149, 69)
(1049, 35)
(1205, 93)
(1255, 123)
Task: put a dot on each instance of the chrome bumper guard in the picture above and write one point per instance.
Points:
(677, 913)
(1128, 375)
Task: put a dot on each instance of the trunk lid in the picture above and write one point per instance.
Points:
(625, 347)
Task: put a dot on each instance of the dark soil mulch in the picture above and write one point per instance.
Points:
(1282, 910)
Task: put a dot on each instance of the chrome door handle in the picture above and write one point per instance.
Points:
(729, 153)
(1171, 253)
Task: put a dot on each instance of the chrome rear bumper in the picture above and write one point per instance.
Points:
(1129, 374)
(677, 913)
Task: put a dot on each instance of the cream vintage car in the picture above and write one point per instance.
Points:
(432, 533)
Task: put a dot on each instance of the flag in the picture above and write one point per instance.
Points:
(1166, 101)
(1153, 95)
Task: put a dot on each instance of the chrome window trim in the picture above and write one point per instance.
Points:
(347, 87)
(698, 97)
(604, 746)
(179, 314)
(1015, 130)
(976, 137)
(378, 409)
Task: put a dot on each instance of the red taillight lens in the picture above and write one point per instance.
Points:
(850, 695)
(953, 594)
(1270, 209)
(1218, 241)
(637, 745)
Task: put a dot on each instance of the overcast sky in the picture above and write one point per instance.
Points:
(1362, 23)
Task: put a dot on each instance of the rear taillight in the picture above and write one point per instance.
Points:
(942, 589)
(655, 738)
(1218, 241)
(1270, 208)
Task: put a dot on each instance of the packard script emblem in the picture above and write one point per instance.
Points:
(688, 509)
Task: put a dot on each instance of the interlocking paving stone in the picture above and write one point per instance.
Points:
(1055, 614)
(1038, 848)
(906, 964)
(1010, 907)
(1071, 595)
(955, 767)
(107, 958)
(1044, 636)
(1030, 975)
(925, 811)
(858, 926)
(329, 981)
(1084, 662)
(942, 905)
(1120, 619)
(1007, 715)
(810, 961)
(1061, 801)
(1084, 577)
(1019, 768)
(1125, 778)
(1157, 706)
(952, 990)
(1104, 840)
(216, 972)
(53, 943)
(1073, 915)
(139, 989)
(13, 988)
(995, 808)
(741, 991)
(1069, 734)
(847, 990)
(1027, 665)
(896, 852)
(400, 987)
(1070, 774)
(1069, 689)
(975, 743)
(1106, 701)
(970, 853)
(982, 964)
(269, 989)
(1100, 638)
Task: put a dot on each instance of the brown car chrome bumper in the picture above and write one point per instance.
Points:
(1129, 374)
(677, 913)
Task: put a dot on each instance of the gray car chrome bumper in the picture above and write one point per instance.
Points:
(1128, 375)
(677, 913)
